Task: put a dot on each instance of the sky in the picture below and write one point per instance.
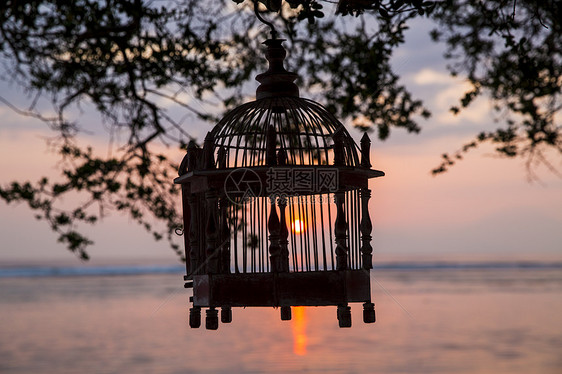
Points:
(483, 208)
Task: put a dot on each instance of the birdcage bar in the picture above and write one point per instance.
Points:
(234, 236)
(315, 233)
(326, 137)
(264, 230)
(357, 227)
(324, 257)
(312, 205)
(260, 257)
(293, 242)
(356, 230)
(308, 232)
(349, 231)
(244, 225)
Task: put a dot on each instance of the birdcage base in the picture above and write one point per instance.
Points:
(313, 288)
(369, 313)
(226, 314)
(286, 313)
(344, 316)
(195, 317)
(212, 319)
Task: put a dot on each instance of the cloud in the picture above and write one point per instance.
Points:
(441, 91)
(428, 76)
(479, 110)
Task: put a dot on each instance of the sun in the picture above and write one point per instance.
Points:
(297, 226)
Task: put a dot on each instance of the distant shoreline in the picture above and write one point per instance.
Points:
(13, 270)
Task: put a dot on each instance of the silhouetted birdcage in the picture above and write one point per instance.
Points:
(275, 207)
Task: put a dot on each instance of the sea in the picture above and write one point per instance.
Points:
(432, 317)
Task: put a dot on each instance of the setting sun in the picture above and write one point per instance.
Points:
(297, 226)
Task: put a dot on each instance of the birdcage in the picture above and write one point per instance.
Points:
(275, 207)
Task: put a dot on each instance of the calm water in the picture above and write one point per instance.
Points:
(496, 319)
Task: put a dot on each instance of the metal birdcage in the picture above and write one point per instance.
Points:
(275, 207)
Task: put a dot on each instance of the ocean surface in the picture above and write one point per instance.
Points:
(432, 317)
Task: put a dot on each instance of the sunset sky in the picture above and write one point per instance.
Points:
(484, 207)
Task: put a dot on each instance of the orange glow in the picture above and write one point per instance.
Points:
(299, 330)
(297, 226)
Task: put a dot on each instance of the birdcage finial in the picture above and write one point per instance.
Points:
(276, 81)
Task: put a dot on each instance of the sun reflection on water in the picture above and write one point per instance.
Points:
(299, 330)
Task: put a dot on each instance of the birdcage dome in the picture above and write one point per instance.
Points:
(303, 129)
